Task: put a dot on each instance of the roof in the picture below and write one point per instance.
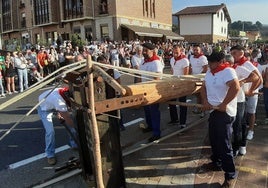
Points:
(212, 9)
(153, 32)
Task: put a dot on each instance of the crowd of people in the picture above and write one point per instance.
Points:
(235, 75)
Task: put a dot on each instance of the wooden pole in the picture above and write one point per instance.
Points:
(189, 104)
(94, 127)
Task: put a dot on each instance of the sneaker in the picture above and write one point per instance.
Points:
(172, 122)
(211, 167)
(148, 129)
(2, 96)
(15, 92)
(250, 135)
(197, 110)
(242, 150)
(154, 138)
(10, 93)
(236, 152)
(228, 183)
(52, 160)
(202, 114)
(183, 126)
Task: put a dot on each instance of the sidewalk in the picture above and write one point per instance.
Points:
(176, 162)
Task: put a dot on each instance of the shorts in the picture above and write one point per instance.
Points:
(251, 104)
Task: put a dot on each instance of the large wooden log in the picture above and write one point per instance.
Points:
(163, 90)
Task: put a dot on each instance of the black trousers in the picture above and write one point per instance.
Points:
(220, 135)
(183, 111)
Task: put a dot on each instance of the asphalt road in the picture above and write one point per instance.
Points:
(27, 138)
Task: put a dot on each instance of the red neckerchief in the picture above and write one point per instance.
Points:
(199, 55)
(179, 58)
(61, 92)
(154, 57)
(240, 62)
(221, 67)
(255, 63)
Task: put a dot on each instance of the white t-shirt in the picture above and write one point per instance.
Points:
(198, 63)
(153, 66)
(242, 73)
(251, 68)
(217, 89)
(54, 101)
(136, 60)
(178, 66)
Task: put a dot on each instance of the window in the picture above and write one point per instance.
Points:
(146, 8)
(153, 5)
(218, 14)
(23, 20)
(221, 16)
(6, 15)
(73, 9)
(104, 31)
(103, 7)
(41, 13)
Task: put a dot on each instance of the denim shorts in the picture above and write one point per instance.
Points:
(251, 104)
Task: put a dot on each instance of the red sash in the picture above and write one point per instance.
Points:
(153, 58)
(179, 58)
(219, 68)
(240, 62)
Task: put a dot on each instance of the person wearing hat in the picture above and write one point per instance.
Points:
(151, 63)
(55, 101)
(220, 89)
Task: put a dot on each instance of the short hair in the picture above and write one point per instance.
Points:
(229, 58)
(216, 56)
(101, 58)
(237, 47)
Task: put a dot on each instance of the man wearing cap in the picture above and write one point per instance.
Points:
(151, 63)
(54, 101)
(220, 89)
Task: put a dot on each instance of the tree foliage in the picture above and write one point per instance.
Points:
(246, 26)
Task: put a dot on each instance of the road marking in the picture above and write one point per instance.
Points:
(35, 158)
(133, 122)
(252, 170)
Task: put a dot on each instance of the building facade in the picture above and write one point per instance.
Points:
(201, 24)
(43, 21)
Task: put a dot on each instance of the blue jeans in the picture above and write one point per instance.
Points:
(152, 117)
(47, 120)
(46, 117)
(265, 98)
(1, 87)
(23, 79)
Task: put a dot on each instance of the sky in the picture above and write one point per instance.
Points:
(244, 10)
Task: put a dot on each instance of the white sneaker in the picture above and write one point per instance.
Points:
(242, 150)
(250, 135)
(183, 126)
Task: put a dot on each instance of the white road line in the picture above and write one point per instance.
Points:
(133, 122)
(35, 158)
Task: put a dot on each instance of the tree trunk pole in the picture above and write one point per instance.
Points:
(94, 127)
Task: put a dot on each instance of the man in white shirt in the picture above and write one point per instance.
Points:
(54, 101)
(220, 89)
(151, 63)
(179, 66)
(136, 61)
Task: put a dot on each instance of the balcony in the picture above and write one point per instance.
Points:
(22, 5)
(23, 24)
(103, 8)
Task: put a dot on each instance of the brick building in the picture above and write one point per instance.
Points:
(42, 21)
